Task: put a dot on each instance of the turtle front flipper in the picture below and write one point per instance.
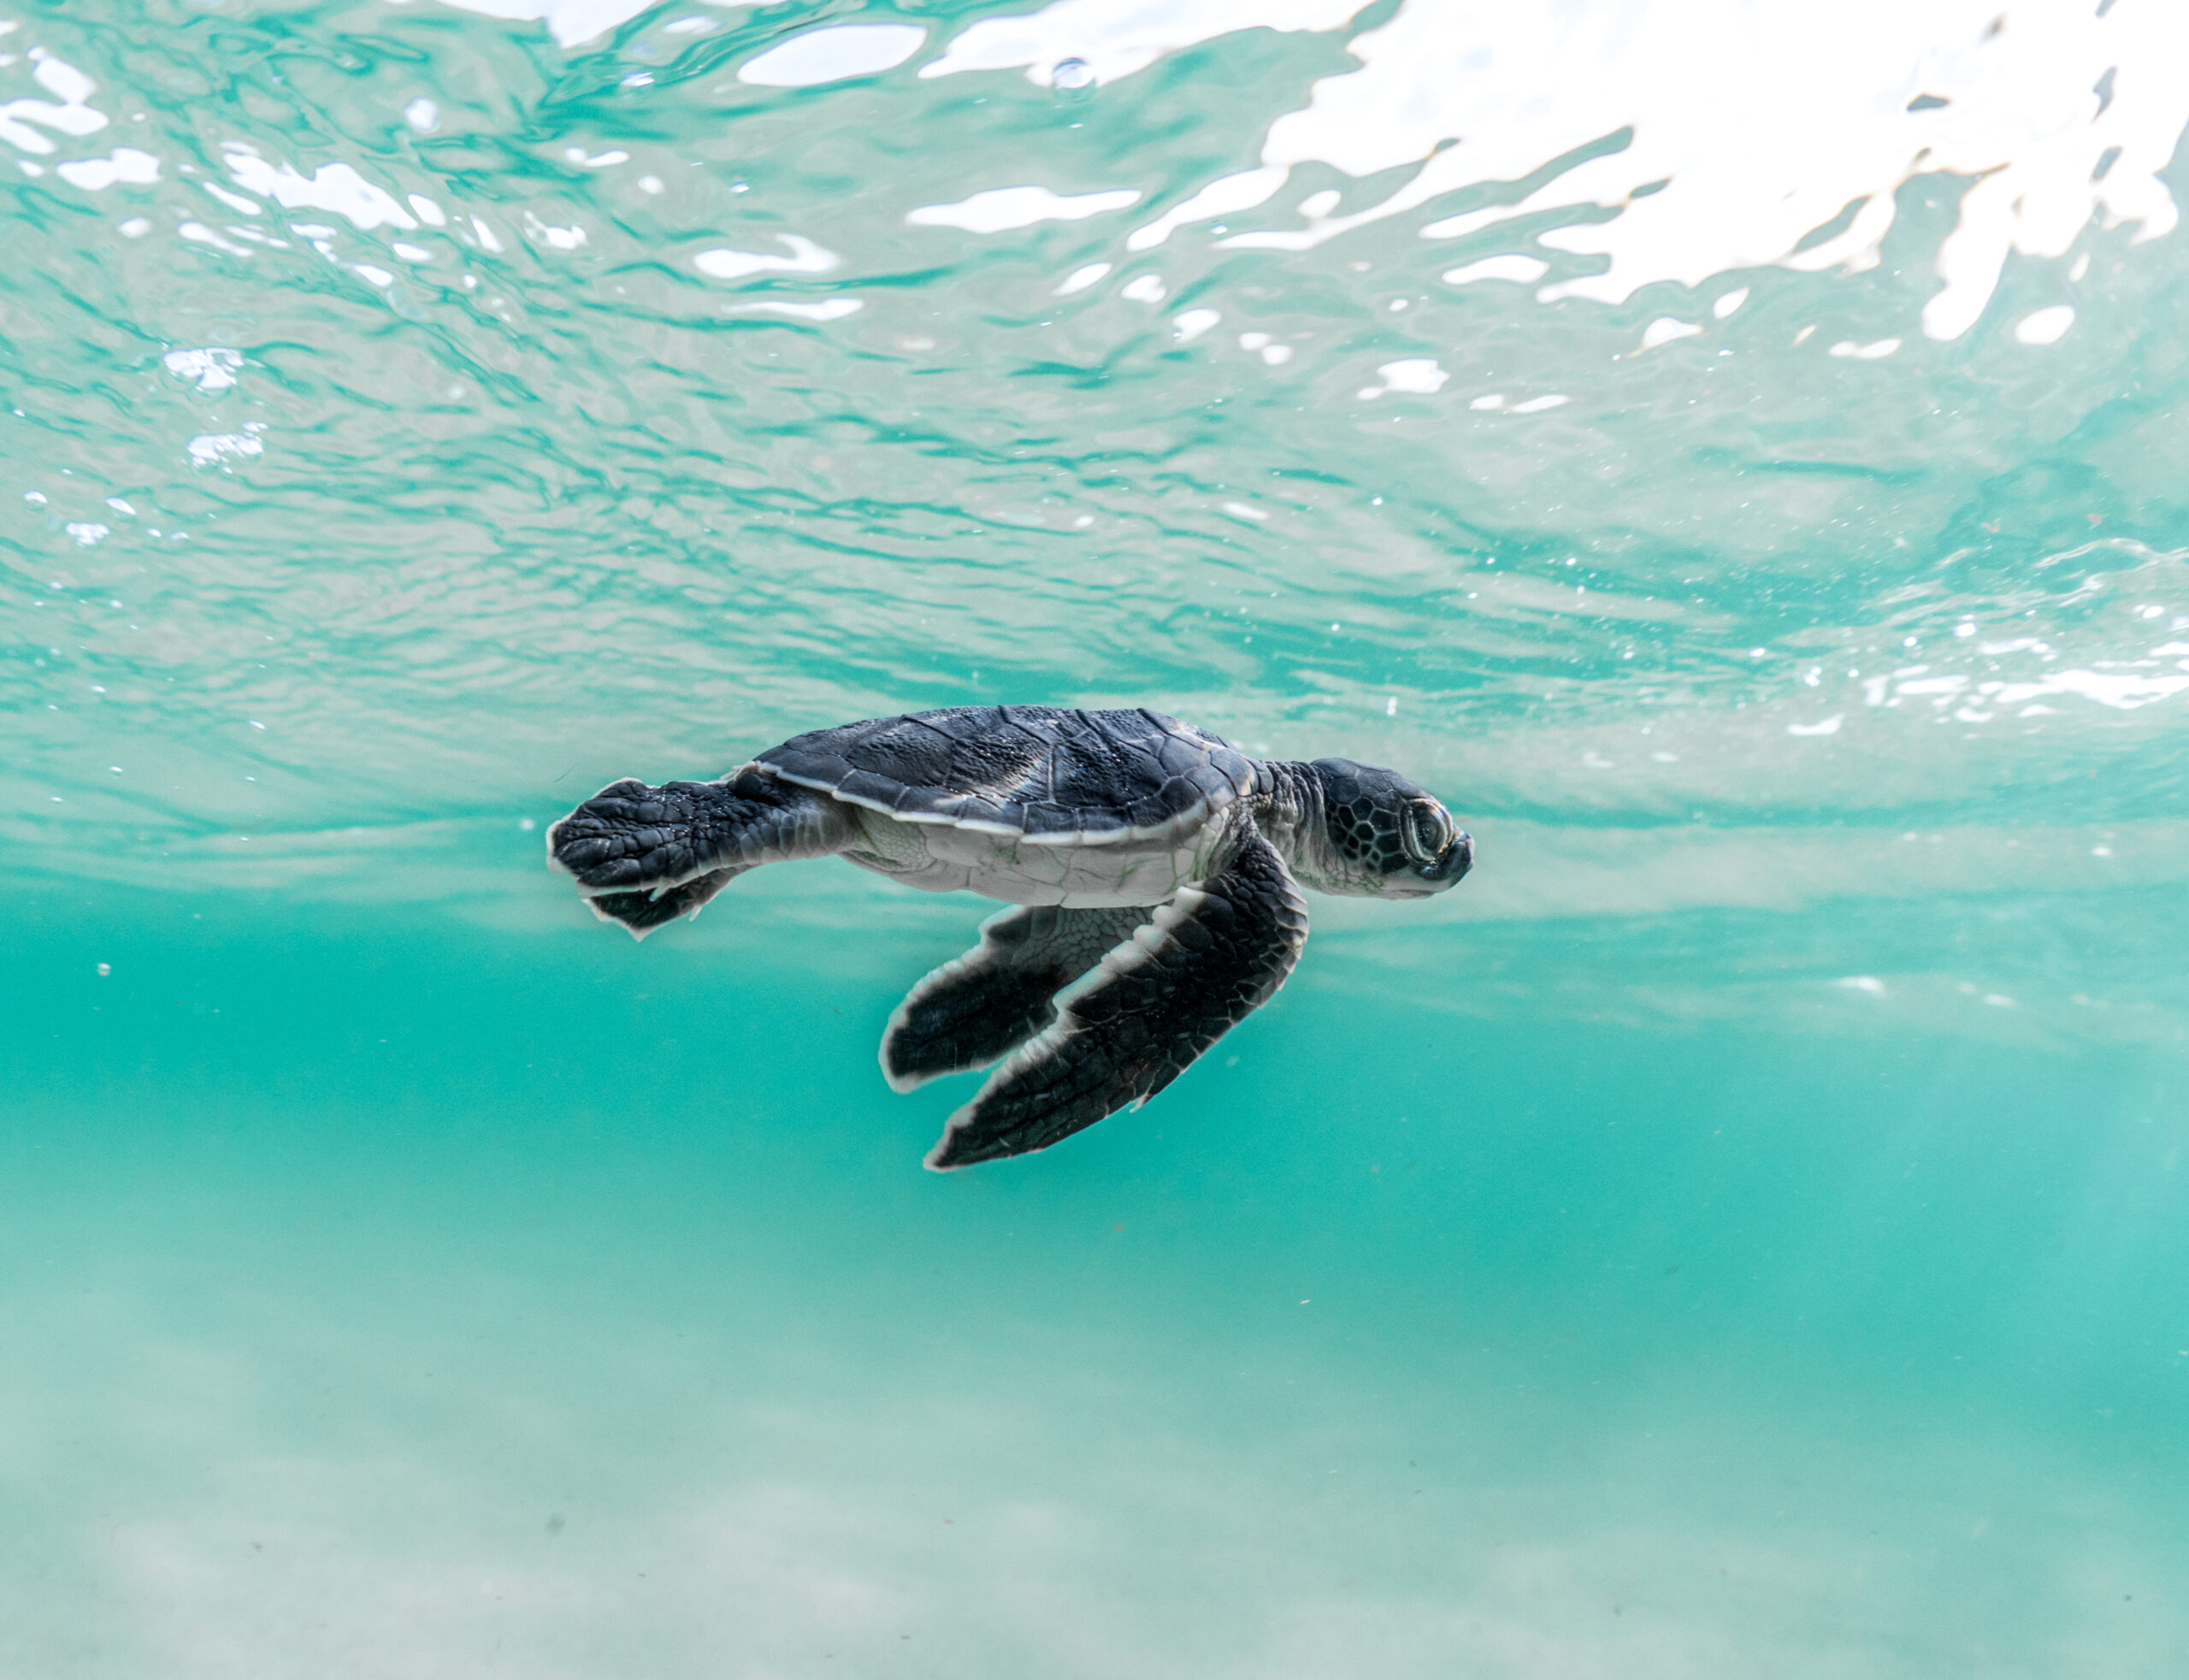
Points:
(978, 1007)
(645, 856)
(1205, 960)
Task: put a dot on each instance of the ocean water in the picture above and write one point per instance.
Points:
(1731, 452)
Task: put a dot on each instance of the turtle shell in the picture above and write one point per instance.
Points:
(1050, 775)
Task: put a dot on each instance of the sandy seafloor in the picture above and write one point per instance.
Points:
(394, 1295)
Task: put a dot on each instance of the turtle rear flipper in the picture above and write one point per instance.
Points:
(978, 1007)
(1194, 970)
(643, 911)
(645, 856)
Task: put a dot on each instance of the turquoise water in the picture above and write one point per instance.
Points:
(1732, 457)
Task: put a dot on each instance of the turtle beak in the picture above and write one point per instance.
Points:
(1457, 859)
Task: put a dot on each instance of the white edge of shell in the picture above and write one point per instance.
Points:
(1194, 814)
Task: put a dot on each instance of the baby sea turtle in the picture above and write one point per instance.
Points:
(1157, 865)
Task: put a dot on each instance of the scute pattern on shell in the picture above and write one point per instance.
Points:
(1053, 775)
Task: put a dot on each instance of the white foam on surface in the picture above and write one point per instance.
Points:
(125, 166)
(573, 23)
(827, 309)
(22, 120)
(332, 187)
(211, 369)
(2046, 325)
(1665, 329)
(1526, 270)
(804, 257)
(1001, 209)
(215, 446)
(1418, 375)
(1080, 279)
(837, 54)
(1114, 38)
(1761, 123)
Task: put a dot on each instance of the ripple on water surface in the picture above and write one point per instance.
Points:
(1740, 435)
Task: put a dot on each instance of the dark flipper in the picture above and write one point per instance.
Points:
(645, 856)
(1207, 958)
(643, 911)
(979, 1006)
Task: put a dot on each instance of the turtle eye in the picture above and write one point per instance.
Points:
(1426, 830)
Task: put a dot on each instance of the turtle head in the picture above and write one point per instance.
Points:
(1384, 836)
